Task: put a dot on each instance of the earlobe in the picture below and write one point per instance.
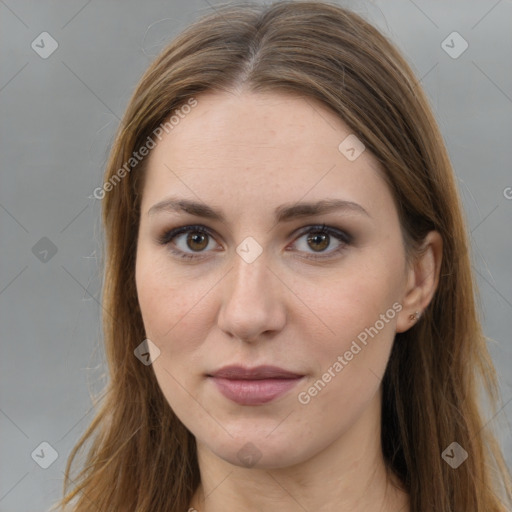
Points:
(422, 281)
(414, 317)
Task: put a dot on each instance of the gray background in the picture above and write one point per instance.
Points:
(58, 116)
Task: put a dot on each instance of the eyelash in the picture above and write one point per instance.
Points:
(319, 229)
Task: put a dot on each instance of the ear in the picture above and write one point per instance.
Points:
(421, 281)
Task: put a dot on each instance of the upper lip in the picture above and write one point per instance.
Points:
(256, 373)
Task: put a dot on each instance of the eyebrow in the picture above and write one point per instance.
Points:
(283, 213)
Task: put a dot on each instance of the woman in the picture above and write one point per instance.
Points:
(291, 317)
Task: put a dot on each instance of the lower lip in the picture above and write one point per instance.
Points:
(254, 392)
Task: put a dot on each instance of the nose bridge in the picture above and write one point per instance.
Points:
(249, 277)
(250, 265)
(250, 302)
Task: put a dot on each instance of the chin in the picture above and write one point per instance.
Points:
(259, 451)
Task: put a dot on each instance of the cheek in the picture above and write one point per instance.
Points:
(171, 311)
(174, 307)
(358, 311)
(157, 300)
(353, 300)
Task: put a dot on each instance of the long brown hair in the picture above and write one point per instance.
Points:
(139, 455)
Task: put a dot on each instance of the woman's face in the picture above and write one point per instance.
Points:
(261, 285)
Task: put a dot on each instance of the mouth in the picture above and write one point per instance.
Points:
(254, 386)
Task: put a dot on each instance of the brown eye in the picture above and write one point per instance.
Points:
(189, 242)
(319, 241)
(194, 242)
(197, 241)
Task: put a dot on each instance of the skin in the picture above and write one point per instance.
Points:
(246, 154)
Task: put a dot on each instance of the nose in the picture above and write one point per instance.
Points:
(253, 302)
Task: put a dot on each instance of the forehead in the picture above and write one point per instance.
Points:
(255, 124)
(260, 149)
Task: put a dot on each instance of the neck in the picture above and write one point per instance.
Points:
(349, 475)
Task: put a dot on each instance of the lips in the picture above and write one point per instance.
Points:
(254, 386)
(257, 373)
